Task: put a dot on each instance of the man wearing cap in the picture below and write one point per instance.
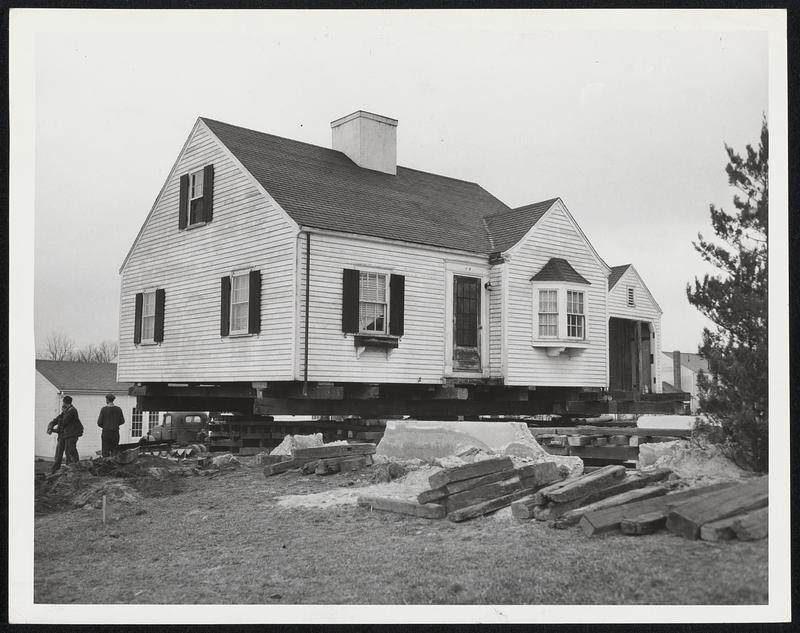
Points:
(69, 428)
(110, 419)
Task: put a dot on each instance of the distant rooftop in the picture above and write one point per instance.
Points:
(76, 376)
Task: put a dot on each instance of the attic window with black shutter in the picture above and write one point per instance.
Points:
(196, 198)
(373, 306)
(148, 323)
(240, 303)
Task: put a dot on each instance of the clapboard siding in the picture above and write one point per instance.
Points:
(554, 236)
(643, 310)
(332, 356)
(496, 320)
(247, 231)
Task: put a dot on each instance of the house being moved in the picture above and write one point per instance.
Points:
(274, 276)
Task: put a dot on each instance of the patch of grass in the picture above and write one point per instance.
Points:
(225, 540)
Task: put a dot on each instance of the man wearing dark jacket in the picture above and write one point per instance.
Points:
(69, 428)
(110, 420)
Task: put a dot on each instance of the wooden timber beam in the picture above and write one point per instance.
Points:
(190, 390)
(243, 406)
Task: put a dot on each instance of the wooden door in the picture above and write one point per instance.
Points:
(466, 324)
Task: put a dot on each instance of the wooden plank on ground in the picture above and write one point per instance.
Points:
(428, 496)
(721, 530)
(481, 493)
(753, 526)
(485, 507)
(606, 430)
(687, 518)
(608, 519)
(469, 471)
(341, 464)
(337, 450)
(542, 474)
(632, 481)
(585, 484)
(574, 516)
(282, 467)
(646, 523)
(427, 511)
(579, 440)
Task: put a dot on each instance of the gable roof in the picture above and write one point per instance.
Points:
(558, 269)
(322, 188)
(693, 362)
(616, 274)
(509, 227)
(75, 376)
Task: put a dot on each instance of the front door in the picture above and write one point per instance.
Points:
(466, 324)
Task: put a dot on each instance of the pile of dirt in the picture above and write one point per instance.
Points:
(83, 484)
(692, 464)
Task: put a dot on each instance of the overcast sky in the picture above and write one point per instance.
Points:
(627, 126)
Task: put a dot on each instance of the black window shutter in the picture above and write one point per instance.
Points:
(350, 290)
(183, 211)
(137, 319)
(208, 193)
(254, 305)
(397, 307)
(225, 307)
(158, 329)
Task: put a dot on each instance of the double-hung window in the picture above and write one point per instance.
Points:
(548, 313)
(148, 324)
(148, 316)
(240, 307)
(240, 302)
(575, 314)
(136, 422)
(372, 304)
(196, 197)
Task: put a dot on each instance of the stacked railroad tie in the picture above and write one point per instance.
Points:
(608, 499)
(471, 490)
(567, 501)
(324, 460)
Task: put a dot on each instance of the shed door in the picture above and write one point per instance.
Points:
(466, 323)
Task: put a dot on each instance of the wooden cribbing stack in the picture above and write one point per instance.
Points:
(325, 460)
(472, 490)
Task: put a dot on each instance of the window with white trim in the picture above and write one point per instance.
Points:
(152, 419)
(372, 302)
(196, 197)
(631, 297)
(548, 313)
(240, 302)
(148, 316)
(136, 422)
(575, 315)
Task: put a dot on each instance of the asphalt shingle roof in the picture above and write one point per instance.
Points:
(558, 269)
(76, 376)
(509, 227)
(322, 188)
(616, 274)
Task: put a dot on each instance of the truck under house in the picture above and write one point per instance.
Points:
(273, 276)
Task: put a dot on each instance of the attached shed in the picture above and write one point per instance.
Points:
(88, 384)
(634, 333)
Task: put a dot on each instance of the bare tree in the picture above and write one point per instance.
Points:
(105, 352)
(58, 346)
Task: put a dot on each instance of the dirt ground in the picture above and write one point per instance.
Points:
(187, 538)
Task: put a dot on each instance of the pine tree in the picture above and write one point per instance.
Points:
(734, 394)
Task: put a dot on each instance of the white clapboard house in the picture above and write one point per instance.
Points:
(87, 384)
(274, 272)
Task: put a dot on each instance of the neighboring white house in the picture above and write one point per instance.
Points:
(88, 384)
(688, 367)
(269, 266)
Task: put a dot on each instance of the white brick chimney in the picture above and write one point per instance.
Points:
(369, 140)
